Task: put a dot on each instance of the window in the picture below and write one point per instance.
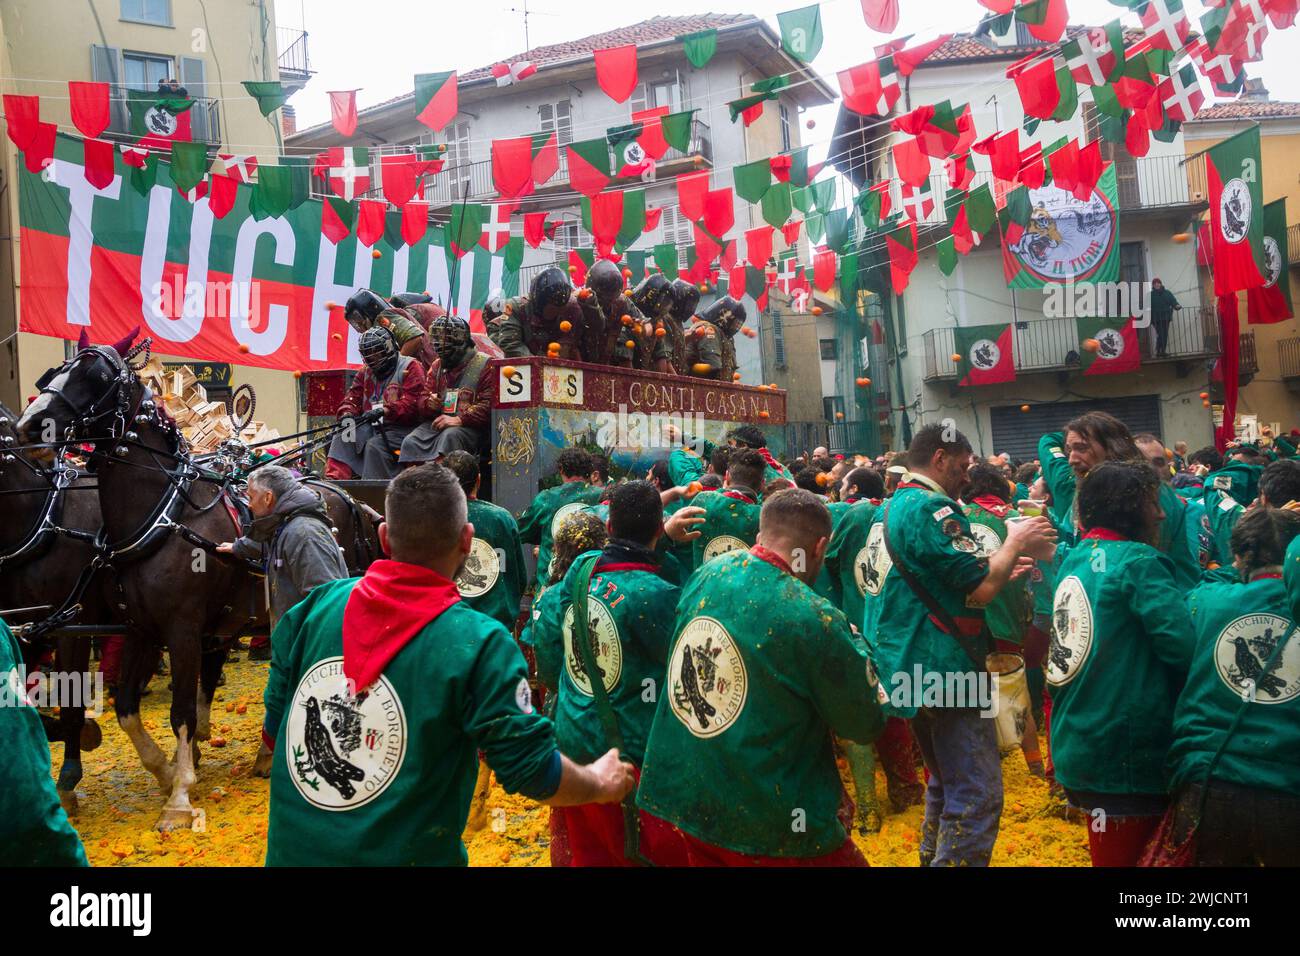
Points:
(558, 117)
(571, 235)
(786, 141)
(157, 12)
(830, 351)
(669, 91)
(778, 340)
(458, 162)
(677, 229)
(832, 405)
(143, 71)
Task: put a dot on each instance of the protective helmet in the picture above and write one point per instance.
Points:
(378, 350)
(651, 294)
(405, 300)
(685, 297)
(494, 307)
(450, 337)
(606, 281)
(550, 288)
(363, 309)
(727, 314)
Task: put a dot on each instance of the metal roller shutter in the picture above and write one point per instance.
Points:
(1017, 432)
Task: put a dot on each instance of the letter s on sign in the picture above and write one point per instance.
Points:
(517, 387)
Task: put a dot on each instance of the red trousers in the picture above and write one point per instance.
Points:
(897, 751)
(110, 660)
(1122, 841)
(700, 853)
(594, 833)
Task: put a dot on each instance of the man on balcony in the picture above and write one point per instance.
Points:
(1162, 304)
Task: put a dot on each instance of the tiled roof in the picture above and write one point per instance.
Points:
(1248, 109)
(981, 46)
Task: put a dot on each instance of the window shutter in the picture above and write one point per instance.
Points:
(203, 113)
(106, 67)
(639, 98)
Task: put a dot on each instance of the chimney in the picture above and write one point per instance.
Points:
(288, 120)
(1255, 91)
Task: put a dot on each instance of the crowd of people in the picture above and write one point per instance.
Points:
(704, 646)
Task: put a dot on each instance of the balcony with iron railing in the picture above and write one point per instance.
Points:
(204, 118)
(293, 59)
(1288, 354)
(1052, 344)
(1247, 358)
(1293, 244)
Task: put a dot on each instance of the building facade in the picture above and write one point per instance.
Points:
(133, 44)
(1158, 197)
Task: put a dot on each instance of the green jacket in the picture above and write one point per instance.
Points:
(493, 577)
(730, 523)
(761, 675)
(630, 610)
(1236, 628)
(542, 518)
(34, 830)
(386, 779)
(1010, 612)
(932, 536)
(1120, 647)
(846, 557)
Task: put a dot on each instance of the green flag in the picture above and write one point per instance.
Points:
(1103, 97)
(513, 254)
(1113, 128)
(800, 197)
(270, 94)
(823, 194)
(299, 178)
(814, 227)
(190, 164)
(700, 47)
(849, 278)
(755, 282)
(1069, 101)
(1271, 302)
(837, 229)
(800, 172)
(1033, 12)
(677, 129)
(947, 250)
(752, 180)
(666, 259)
(801, 32)
(981, 211)
(144, 177)
(465, 227)
(633, 216)
(272, 193)
(776, 205)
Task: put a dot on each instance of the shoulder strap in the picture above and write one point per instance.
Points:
(580, 595)
(931, 603)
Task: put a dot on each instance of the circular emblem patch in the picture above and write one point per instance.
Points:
(985, 354)
(160, 122)
(723, 544)
(1071, 632)
(1234, 210)
(603, 633)
(343, 751)
(873, 562)
(707, 678)
(573, 507)
(1244, 648)
(986, 539)
(481, 571)
(1273, 255)
(1110, 344)
(1066, 238)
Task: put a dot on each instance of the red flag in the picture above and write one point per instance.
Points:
(824, 270)
(1230, 342)
(719, 211)
(1064, 161)
(512, 166)
(758, 246)
(963, 235)
(577, 268)
(960, 173)
(546, 156)
(652, 219)
(89, 107)
(606, 219)
(99, 162)
(1003, 151)
(881, 15)
(536, 228)
(343, 111)
(905, 61)
(727, 259)
(40, 147)
(780, 166)
(691, 190)
(707, 247)
(616, 71)
(1091, 166)
(912, 166)
(736, 282)
(1033, 170)
(222, 190)
(752, 113)
(398, 173)
(902, 256)
(999, 6)
(652, 131)
(790, 232)
(22, 114)
(863, 91)
(1035, 79)
(1137, 134)
(242, 167)
(415, 221)
(370, 220)
(1053, 25)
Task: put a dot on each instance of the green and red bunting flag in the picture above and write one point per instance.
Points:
(1067, 101)
(652, 134)
(665, 256)
(1134, 85)
(337, 218)
(1271, 302)
(630, 158)
(465, 228)
(752, 180)
(1095, 56)
(1013, 218)
(901, 244)
(546, 156)
(802, 173)
(801, 198)
(700, 47)
(634, 217)
(1237, 213)
(801, 32)
(676, 129)
(159, 119)
(751, 107)
(1044, 18)
(1035, 79)
(436, 99)
(1067, 240)
(1165, 23)
(1107, 345)
(270, 94)
(589, 171)
(983, 354)
(947, 255)
(776, 204)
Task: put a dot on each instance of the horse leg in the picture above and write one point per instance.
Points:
(137, 659)
(209, 673)
(185, 654)
(73, 658)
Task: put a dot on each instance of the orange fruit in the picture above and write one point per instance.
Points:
(765, 414)
(331, 305)
(816, 310)
(584, 293)
(1091, 345)
(735, 376)
(956, 356)
(701, 368)
(566, 326)
(863, 382)
(508, 371)
(217, 741)
(838, 416)
(660, 332)
(243, 347)
(1024, 408)
(1181, 237)
(627, 273)
(376, 254)
(241, 708)
(297, 373)
(694, 488)
(630, 344)
(553, 347)
(1204, 395)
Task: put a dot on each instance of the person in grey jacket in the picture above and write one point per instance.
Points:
(291, 534)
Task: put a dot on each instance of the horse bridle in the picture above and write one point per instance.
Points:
(118, 388)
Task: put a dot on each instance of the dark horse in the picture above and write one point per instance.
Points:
(48, 523)
(161, 519)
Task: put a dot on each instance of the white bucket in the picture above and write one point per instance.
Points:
(1011, 688)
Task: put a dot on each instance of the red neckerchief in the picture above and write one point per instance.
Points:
(389, 606)
(771, 557)
(993, 505)
(767, 457)
(1261, 575)
(738, 496)
(1104, 534)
